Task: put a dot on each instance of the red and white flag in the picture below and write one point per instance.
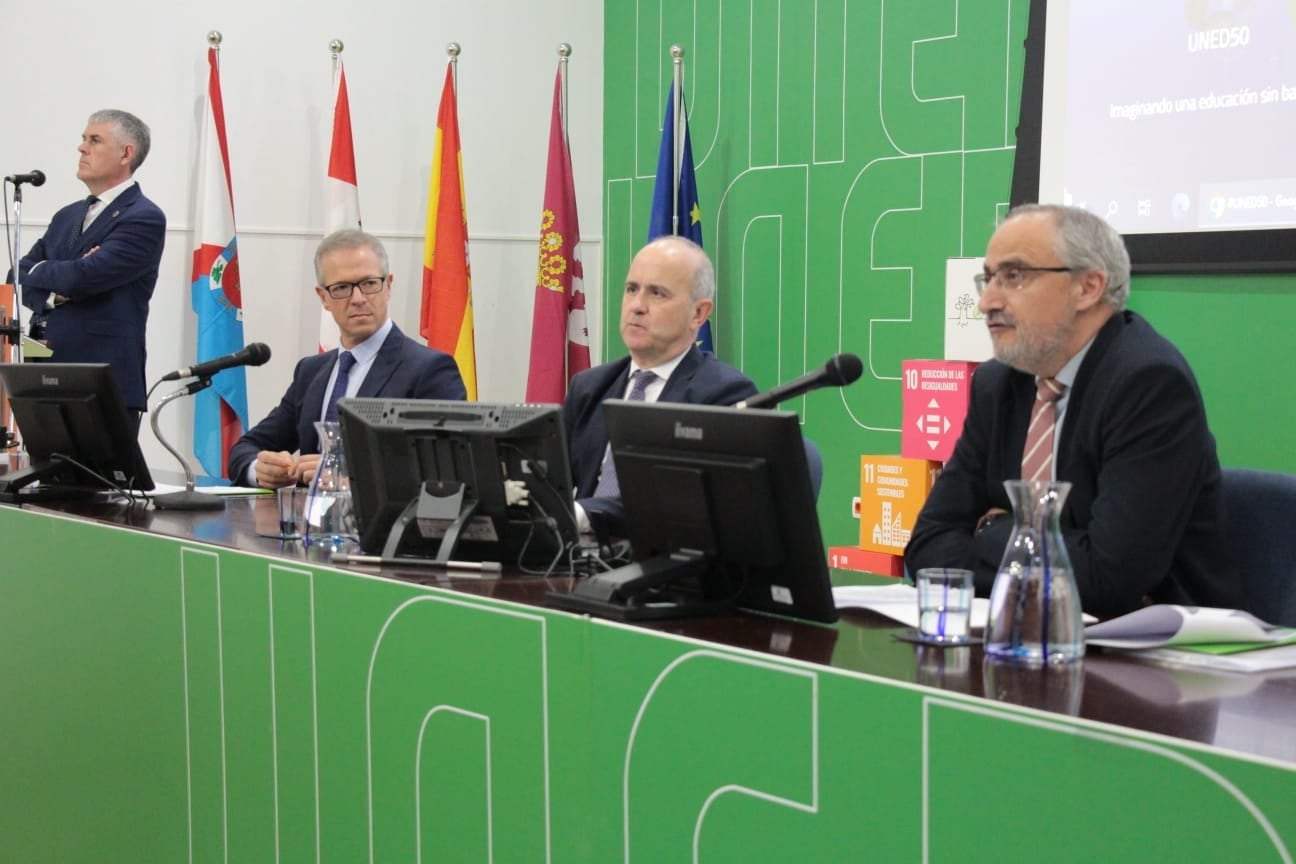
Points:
(341, 191)
(559, 329)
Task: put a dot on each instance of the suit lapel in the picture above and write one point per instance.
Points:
(106, 220)
(677, 386)
(384, 364)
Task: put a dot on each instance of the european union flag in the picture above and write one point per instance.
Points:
(685, 219)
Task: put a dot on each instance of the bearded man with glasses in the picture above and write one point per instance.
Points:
(375, 359)
(1116, 413)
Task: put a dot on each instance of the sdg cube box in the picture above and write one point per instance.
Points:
(936, 394)
(892, 491)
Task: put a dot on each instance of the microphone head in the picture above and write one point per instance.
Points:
(844, 369)
(37, 177)
(258, 353)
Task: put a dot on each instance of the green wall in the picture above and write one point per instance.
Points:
(844, 150)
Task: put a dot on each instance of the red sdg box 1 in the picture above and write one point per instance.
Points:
(936, 396)
(892, 491)
(863, 561)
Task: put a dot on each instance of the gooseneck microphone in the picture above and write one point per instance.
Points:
(837, 372)
(34, 177)
(253, 355)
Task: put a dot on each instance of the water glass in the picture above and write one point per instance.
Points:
(944, 604)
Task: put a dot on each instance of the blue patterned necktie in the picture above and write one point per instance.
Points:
(608, 486)
(344, 363)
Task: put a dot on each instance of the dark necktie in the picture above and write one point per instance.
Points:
(90, 201)
(1037, 456)
(608, 485)
(344, 363)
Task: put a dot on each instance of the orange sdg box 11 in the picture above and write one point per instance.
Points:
(892, 491)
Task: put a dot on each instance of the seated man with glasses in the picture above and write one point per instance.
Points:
(1082, 391)
(376, 359)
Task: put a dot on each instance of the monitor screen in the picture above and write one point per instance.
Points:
(471, 481)
(74, 426)
(1177, 131)
(721, 514)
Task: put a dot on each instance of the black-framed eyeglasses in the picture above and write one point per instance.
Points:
(344, 290)
(1011, 277)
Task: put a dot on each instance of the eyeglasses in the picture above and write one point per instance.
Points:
(344, 290)
(1011, 277)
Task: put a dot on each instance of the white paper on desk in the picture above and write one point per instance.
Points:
(1166, 624)
(229, 491)
(1265, 660)
(898, 602)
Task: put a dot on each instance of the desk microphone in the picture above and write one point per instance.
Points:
(35, 177)
(837, 372)
(253, 355)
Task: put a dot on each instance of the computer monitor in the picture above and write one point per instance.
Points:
(472, 481)
(720, 513)
(75, 429)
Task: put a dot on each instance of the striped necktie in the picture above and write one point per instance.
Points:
(1037, 457)
(608, 485)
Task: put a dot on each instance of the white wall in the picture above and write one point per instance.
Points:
(149, 58)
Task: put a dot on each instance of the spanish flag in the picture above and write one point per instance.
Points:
(446, 317)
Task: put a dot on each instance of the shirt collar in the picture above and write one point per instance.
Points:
(107, 196)
(661, 370)
(368, 349)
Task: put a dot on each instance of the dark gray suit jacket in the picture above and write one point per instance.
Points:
(1144, 515)
(699, 379)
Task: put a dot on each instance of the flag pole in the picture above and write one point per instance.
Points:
(452, 51)
(677, 58)
(564, 52)
(335, 51)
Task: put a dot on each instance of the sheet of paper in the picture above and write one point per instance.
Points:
(899, 602)
(1166, 624)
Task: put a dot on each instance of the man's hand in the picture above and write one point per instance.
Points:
(307, 465)
(274, 470)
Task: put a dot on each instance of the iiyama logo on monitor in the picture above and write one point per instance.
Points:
(49, 381)
(689, 433)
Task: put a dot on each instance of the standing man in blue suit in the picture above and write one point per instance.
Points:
(669, 294)
(375, 359)
(92, 275)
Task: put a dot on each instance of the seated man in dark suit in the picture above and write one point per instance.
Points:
(90, 278)
(1143, 520)
(669, 293)
(376, 359)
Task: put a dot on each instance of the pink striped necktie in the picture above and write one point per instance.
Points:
(1037, 458)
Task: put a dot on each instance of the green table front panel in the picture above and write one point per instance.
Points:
(165, 701)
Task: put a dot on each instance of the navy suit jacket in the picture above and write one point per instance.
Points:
(1144, 517)
(402, 369)
(108, 292)
(699, 379)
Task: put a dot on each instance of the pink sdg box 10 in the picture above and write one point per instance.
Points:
(936, 396)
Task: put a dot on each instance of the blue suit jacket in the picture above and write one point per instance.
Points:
(1144, 515)
(402, 369)
(699, 379)
(104, 318)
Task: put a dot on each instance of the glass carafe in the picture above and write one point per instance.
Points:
(1034, 605)
(330, 521)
